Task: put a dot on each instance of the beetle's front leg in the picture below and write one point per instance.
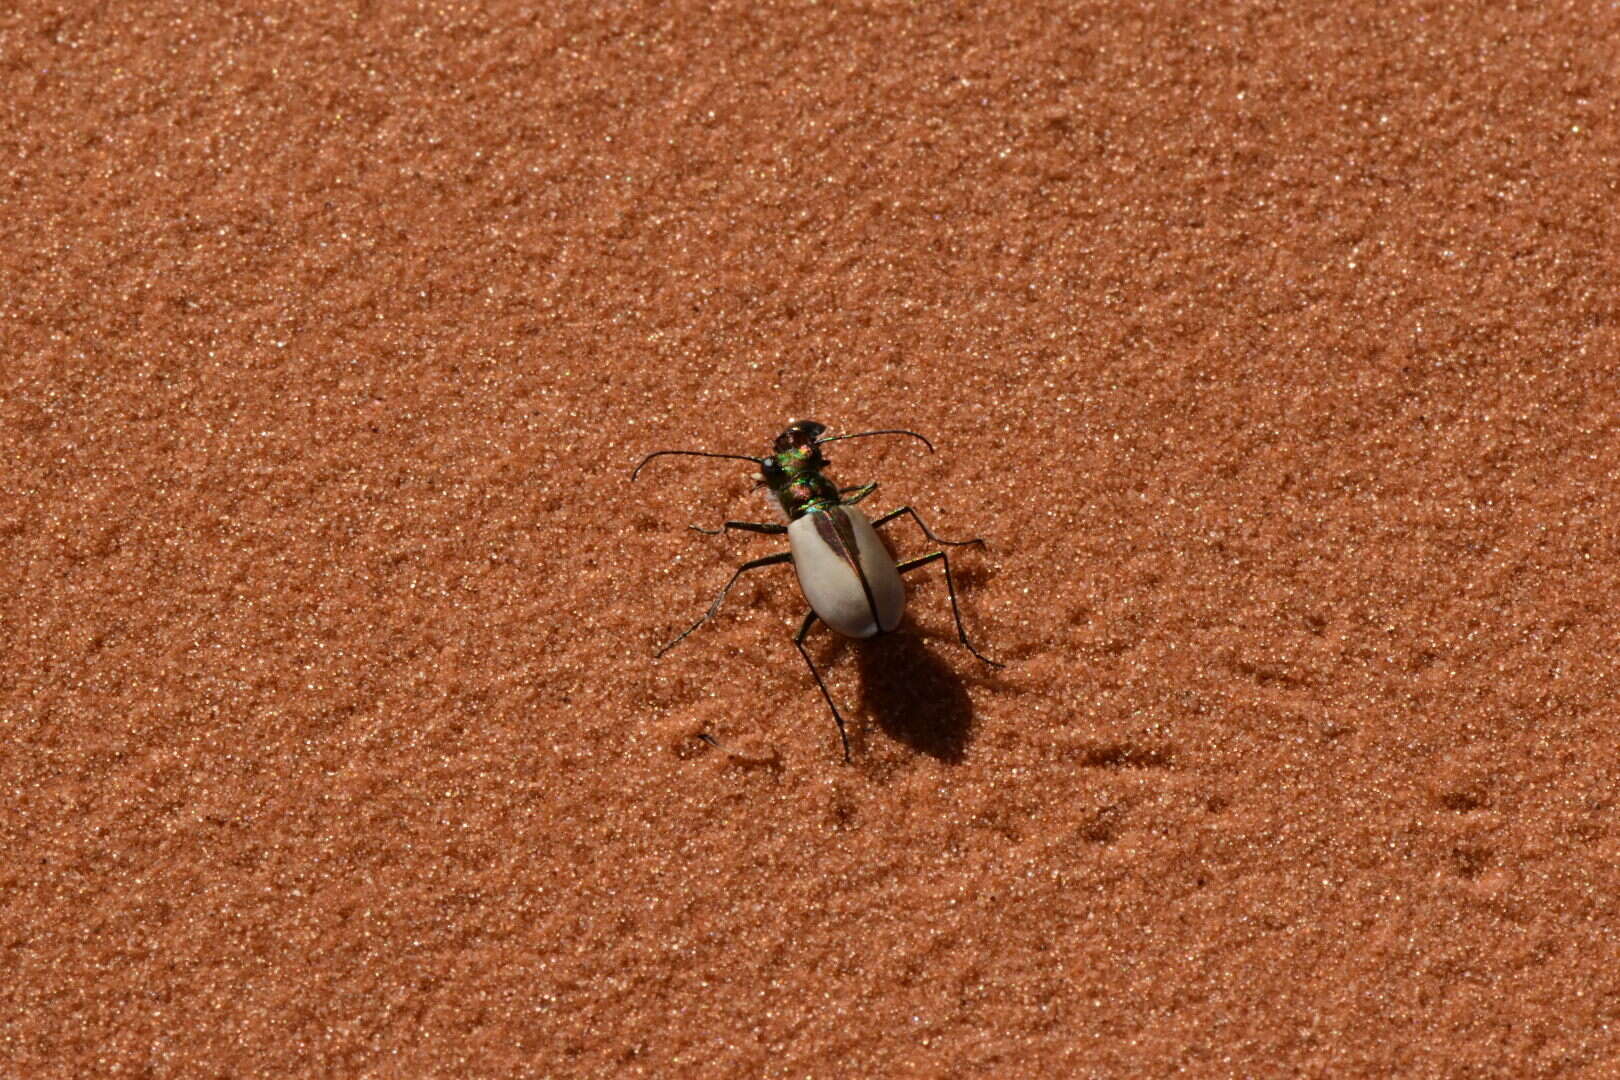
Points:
(856, 494)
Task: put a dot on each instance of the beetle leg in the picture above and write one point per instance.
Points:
(768, 528)
(892, 514)
(769, 560)
(859, 493)
(950, 587)
(798, 641)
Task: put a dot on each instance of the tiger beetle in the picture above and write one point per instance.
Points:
(847, 574)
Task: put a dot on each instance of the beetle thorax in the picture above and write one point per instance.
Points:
(794, 475)
(799, 495)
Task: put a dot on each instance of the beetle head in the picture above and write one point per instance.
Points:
(799, 435)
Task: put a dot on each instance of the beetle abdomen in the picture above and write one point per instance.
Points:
(846, 572)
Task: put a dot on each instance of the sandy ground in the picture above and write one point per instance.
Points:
(1272, 349)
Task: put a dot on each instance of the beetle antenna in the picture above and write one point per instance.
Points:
(885, 431)
(690, 453)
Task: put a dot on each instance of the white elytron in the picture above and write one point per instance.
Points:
(846, 572)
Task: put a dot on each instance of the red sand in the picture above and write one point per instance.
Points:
(1273, 349)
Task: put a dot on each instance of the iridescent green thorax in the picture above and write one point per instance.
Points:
(793, 471)
(795, 477)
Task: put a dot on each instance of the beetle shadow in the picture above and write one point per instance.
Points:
(914, 695)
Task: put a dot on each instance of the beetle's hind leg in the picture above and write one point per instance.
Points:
(798, 642)
(769, 560)
(892, 514)
(950, 587)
